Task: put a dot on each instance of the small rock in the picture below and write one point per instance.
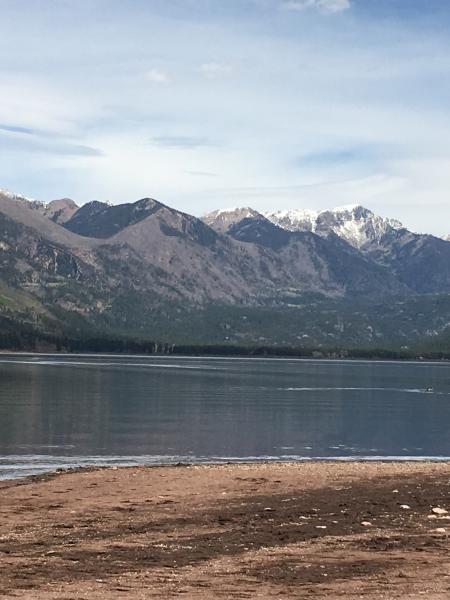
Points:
(440, 530)
(366, 524)
(439, 511)
(268, 509)
(405, 507)
(321, 526)
(395, 491)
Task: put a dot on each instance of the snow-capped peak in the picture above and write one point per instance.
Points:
(352, 222)
(294, 219)
(14, 196)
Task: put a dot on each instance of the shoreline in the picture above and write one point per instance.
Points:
(275, 529)
(327, 359)
(179, 462)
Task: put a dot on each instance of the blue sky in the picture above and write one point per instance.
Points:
(211, 103)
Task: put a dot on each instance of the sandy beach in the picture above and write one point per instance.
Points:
(279, 530)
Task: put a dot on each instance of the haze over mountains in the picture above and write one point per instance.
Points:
(344, 276)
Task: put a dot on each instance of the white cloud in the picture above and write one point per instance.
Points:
(324, 6)
(231, 95)
(214, 70)
(157, 76)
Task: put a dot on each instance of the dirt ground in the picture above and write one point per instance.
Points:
(289, 530)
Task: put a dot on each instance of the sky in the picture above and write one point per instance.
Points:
(205, 104)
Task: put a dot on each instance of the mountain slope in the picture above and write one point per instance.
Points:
(30, 214)
(143, 267)
(328, 265)
(101, 220)
(421, 262)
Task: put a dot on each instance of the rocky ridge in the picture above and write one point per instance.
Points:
(126, 267)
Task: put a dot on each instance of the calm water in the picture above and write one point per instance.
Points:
(58, 411)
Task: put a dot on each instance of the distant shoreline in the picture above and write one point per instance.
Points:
(249, 356)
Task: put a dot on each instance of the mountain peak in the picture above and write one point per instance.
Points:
(355, 223)
(223, 218)
(294, 219)
(60, 210)
(103, 220)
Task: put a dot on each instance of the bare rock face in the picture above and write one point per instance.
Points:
(222, 219)
(60, 211)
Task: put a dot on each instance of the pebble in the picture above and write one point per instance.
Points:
(405, 507)
(366, 524)
(321, 526)
(440, 530)
(439, 511)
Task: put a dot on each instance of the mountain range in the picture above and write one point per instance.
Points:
(338, 277)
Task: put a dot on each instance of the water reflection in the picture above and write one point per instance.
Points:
(174, 409)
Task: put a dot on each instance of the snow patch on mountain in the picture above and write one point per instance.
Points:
(354, 223)
(14, 196)
(297, 219)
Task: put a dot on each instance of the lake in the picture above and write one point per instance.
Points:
(59, 411)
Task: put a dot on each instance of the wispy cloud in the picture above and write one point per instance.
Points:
(323, 6)
(25, 141)
(15, 129)
(343, 155)
(215, 70)
(158, 76)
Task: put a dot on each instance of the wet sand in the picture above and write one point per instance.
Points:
(286, 530)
